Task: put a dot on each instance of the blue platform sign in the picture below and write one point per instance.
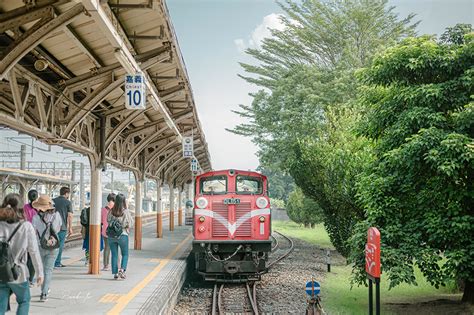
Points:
(309, 288)
(135, 91)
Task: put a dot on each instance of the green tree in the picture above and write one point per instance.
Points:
(334, 34)
(307, 70)
(280, 184)
(327, 170)
(303, 210)
(420, 190)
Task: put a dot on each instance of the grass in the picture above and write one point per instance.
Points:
(317, 236)
(336, 293)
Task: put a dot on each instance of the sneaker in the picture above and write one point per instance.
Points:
(106, 268)
(59, 266)
(116, 276)
(86, 263)
(43, 297)
(122, 274)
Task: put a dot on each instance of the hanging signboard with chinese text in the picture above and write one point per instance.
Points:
(188, 147)
(135, 91)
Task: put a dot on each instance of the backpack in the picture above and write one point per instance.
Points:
(115, 228)
(8, 269)
(85, 217)
(49, 239)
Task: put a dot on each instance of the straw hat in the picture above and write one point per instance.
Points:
(43, 203)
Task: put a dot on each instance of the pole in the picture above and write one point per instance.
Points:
(159, 210)
(371, 298)
(171, 217)
(138, 213)
(377, 296)
(82, 198)
(73, 187)
(23, 167)
(180, 207)
(112, 182)
(95, 214)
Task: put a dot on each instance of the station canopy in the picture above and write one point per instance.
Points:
(63, 67)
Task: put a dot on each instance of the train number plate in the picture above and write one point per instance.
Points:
(231, 201)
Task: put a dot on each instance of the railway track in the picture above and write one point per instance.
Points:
(242, 298)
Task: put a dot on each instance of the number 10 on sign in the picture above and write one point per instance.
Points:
(135, 91)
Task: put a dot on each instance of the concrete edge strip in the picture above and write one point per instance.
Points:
(127, 298)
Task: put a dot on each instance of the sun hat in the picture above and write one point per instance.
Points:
(43, 203)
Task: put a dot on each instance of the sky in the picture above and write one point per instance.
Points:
(213, 34)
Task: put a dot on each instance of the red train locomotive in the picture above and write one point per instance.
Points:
(232, 225)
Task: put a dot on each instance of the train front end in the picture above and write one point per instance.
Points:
(232, 225)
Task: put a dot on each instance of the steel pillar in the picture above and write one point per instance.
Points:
(159, 210)
(23, 193)
(72, 196)
(171, 217)
(82, 193)
(95, 215)
(180, 207)
(138, 213)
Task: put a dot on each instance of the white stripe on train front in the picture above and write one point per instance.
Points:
(231, 227)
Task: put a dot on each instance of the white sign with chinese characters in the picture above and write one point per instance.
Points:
(135, 91)
(194, 166)
(188, 147)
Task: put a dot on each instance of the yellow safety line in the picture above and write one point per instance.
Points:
(125, 299)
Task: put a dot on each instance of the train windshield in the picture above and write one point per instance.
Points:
(248, 185)
(214, 185)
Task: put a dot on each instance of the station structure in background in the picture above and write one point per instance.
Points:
(62, 69)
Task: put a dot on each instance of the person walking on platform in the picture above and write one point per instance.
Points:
(119, 222)
(29, 213)
(64, 208)
(47, 224)
(17, 239)
(105, 212)
(85, 215)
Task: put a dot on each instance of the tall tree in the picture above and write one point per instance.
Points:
(420, 190)
(304, 111)
(334, 34)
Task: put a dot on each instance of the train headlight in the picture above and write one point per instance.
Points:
(262, 219)
(201, 219)
(201, 203)
(262, 202)
(202, 229)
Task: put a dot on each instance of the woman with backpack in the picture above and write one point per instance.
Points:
(29, 213)
(47, 224)
(119, 222)
(17, 240)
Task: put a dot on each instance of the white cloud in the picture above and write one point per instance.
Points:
(271, 21)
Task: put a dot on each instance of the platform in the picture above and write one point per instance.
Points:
(154, 277)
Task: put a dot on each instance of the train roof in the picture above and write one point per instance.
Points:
(226, 172)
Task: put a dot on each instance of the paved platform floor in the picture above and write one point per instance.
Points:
(153, 275)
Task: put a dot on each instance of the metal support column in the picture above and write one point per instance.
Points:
(171, 217)
(94, 227)
(180, 207)
(82, 193)
(138, 213)
(23, 193)
(72, 196)
(159, 210)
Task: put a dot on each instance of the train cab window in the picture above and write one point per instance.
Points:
(248, 185)
(214, 185)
